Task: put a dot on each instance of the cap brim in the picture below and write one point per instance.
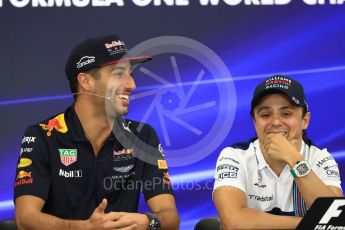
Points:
(133, 60)
(258, 97)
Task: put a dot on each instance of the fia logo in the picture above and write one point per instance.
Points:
(332, 211)
(331, 219)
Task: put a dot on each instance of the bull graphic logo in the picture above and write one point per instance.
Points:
(58, 123)
(22, 174)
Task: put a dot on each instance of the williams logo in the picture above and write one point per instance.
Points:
(68, 156)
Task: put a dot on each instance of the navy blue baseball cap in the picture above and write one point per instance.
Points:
(99, 51)
(280, 84)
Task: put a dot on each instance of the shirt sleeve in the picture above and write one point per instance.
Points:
(32, 174)
(156, 178)
(326, 168)
(230, 170)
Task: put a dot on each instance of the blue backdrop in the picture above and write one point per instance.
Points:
(196, 92)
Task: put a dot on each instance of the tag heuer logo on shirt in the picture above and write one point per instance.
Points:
(68, 156)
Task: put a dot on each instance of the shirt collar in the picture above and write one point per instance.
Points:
(76, 130)
(259, 156)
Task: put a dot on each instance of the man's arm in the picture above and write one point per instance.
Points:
(30, 217)
(310, 186)
(164, 207)
(234, 214)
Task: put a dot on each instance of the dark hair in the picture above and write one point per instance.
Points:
(254, 105)
(74, 84)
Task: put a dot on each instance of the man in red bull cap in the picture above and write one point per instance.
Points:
(88, 165)
(270, 181)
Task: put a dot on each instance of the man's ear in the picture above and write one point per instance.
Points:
(85, 82)
(306, 119)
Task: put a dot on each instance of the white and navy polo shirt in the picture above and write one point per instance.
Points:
(244, 167)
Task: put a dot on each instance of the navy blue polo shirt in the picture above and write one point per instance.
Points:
(57, 164)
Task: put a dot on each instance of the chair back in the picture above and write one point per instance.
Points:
(8, 225)
(209, 223)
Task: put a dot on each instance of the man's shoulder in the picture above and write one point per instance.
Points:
(243, 145)
(56, 122)
(241, 151)
(312, 149)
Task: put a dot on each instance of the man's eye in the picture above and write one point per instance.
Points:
(286, 114)
(117, 73)
(264, 115)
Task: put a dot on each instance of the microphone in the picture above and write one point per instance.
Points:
(92, 94)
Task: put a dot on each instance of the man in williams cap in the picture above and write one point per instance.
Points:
(271, 181)
(85, 168)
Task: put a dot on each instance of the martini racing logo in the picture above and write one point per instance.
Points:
(278, 82)
(68, 156)
(85, 61)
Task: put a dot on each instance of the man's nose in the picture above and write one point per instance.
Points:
(129, 83)
(276, 120)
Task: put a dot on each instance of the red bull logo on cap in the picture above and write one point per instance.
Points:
(58, 123)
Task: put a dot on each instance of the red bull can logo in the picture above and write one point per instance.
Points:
(58, 123)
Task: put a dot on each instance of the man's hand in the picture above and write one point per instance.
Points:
(280, 148)
(142, 221)
(112, 220)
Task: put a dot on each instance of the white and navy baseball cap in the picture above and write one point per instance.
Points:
(280, 84)
(99, 51)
